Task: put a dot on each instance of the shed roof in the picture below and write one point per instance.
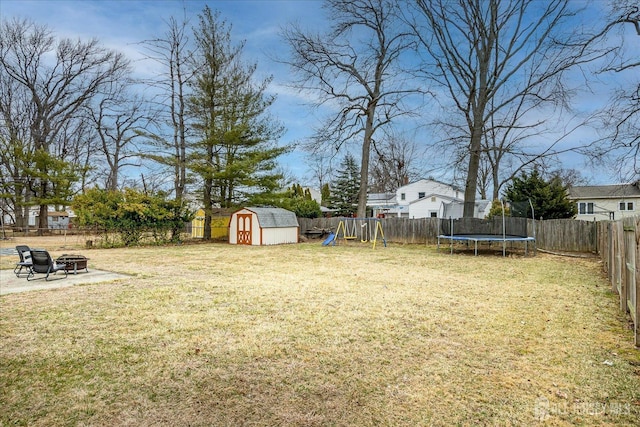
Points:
(274, 217)
(615, 191)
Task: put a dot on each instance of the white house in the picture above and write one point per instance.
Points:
(55, 220)
(382, 204)
(430, 206)
(421, 199)
(598, 202)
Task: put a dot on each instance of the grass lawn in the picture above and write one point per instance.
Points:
(306, 335)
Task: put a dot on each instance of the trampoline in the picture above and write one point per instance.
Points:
(474, 230)
(475, 238)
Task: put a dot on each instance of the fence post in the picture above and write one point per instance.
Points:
(629, 266)
(619, 257)
(634, 288)
(610, 253)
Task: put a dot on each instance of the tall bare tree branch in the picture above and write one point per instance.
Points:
(354, 71)
(490, 55)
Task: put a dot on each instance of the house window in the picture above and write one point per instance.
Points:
(585, 208)
(626, 206)
(403, 196)
(433, 214)
(421, 195)
(433, 199)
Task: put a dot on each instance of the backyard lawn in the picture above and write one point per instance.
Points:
(306, 335)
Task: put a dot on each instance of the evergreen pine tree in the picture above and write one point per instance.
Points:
(235, 155)
(549, 198)
(344, 197)
(325, 192)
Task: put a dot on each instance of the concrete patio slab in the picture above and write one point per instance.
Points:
(10, 284)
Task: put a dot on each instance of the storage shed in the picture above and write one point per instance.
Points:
(263, 226)
(219, 225)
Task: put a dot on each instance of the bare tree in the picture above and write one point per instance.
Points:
(61, 77)
(16, 113)
(354, 70)
(172, 52)
(119, 118)
(621, 118)
(320, 168)
(500, 61)
(395, 163)
(77, 145)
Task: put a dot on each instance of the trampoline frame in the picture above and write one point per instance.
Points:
(504, 238)
(475, 238)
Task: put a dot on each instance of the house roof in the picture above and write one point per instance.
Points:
(615, 191)
(274, 217)
(454, 187)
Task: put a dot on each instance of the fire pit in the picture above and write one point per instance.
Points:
(73, 262)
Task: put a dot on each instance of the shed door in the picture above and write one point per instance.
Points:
(244, 229)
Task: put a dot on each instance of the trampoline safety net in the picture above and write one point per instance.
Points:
(516, 225)
(492, 227)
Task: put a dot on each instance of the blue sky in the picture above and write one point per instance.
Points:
(122, 24)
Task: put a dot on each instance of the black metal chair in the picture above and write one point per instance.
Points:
(25, 260)
(43, 263)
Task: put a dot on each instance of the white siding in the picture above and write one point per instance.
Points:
(603, 207)
(423, 208)
(277, 236)
(428, 187)
(262, 236)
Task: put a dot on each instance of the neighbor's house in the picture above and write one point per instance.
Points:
(263, 226)
(426, 198)
(598, 202)
(57, 220)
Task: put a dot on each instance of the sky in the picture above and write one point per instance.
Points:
(122, 24)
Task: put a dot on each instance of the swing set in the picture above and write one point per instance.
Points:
(364, 229)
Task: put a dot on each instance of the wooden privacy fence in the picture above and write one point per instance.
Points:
(619, 243)
(399, 230)
(566, 235)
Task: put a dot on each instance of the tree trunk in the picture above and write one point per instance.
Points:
(496, 184)
(364, 165)
(43, 219)
(471, 184)
(208, 208)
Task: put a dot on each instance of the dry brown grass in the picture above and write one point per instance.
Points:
(306, 335)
